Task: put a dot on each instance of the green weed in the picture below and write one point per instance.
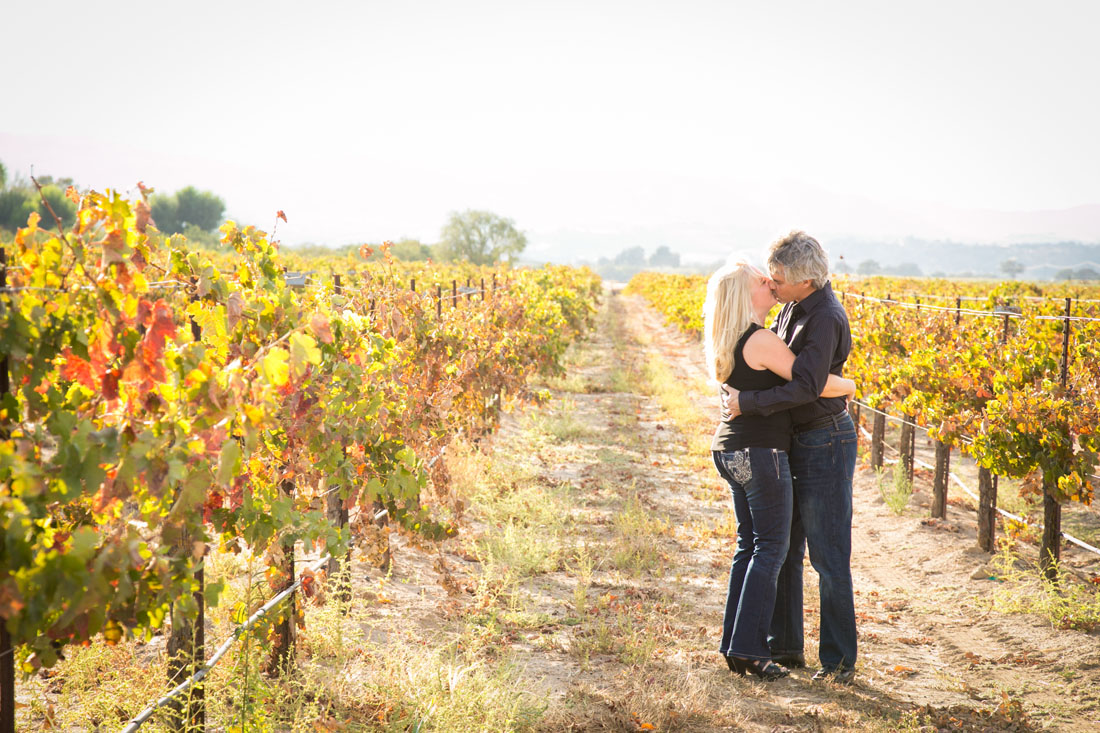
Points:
(895, 488)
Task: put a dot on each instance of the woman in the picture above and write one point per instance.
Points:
(750, 453)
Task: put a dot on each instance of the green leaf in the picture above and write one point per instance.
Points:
(229, 462)
(83, 544)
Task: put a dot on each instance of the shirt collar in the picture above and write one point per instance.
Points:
(816, 298)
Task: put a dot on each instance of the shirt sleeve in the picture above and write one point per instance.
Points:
(808, 375)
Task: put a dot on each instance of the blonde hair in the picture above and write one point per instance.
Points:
(727, 313)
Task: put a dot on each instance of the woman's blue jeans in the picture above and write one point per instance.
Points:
(762, 503)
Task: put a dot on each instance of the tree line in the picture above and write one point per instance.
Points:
(476, 236)
(189, 211)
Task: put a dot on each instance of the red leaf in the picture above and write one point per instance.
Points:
(319, 324)
(144, 312)
(77, 369)
(280, 215)
(142, 216)
(164, 326)
(110, 384)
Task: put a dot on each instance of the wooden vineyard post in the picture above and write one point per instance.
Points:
(333, 503)
(469, 295)
(439, 301)
(1051, 550)
(987, 509)
(282, 646)
(7, 651)
(941, 479)
(454, 293)
(187, 641)
(878, 433)
(482, 290)
(337, 511)
(905, 446)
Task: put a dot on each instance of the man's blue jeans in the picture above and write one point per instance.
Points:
(822, 464)
(762, 503)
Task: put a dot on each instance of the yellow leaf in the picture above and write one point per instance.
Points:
(139, 283)
(112, 633)
(275, 367)
(303, 350)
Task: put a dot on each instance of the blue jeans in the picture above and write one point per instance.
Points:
(822, 462)
(762, 504)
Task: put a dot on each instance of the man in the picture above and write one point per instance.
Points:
(822, 457)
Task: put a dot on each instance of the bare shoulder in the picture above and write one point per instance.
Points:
(762, 348)
(763, 338)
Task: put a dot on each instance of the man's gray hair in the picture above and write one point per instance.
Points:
(801, 258)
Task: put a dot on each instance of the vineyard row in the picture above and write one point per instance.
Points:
(143, 426)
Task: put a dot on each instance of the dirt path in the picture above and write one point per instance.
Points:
(593, 573)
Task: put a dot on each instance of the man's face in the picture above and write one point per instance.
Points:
(786, 291)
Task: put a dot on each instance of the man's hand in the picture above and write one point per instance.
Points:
(731, 407)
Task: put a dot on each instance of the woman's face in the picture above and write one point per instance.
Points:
(763, 297)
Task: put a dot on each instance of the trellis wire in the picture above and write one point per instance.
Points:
(967, 312)
(190, 682)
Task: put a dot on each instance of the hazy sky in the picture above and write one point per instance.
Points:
(704, 125)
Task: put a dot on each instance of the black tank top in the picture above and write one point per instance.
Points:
(752, 431)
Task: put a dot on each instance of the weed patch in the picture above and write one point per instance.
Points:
(895, 487)
(1067, 604)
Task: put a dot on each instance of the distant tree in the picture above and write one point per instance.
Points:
(16, 205)
(631, 257)
(480, 237)
(165, 213)
(842, 267)
(61, 183)
(200, 208)
(3, 176)
(60, 203)
(869, 267)
(1086, 273)
(1066, 273)
(907, 269)
(174, 213)
(410, 250)
(1012, 267)
(664, 257)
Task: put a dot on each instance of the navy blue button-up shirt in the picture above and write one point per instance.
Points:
(816, 329)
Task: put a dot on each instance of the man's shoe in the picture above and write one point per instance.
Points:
(842, 676)
(794, 660)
